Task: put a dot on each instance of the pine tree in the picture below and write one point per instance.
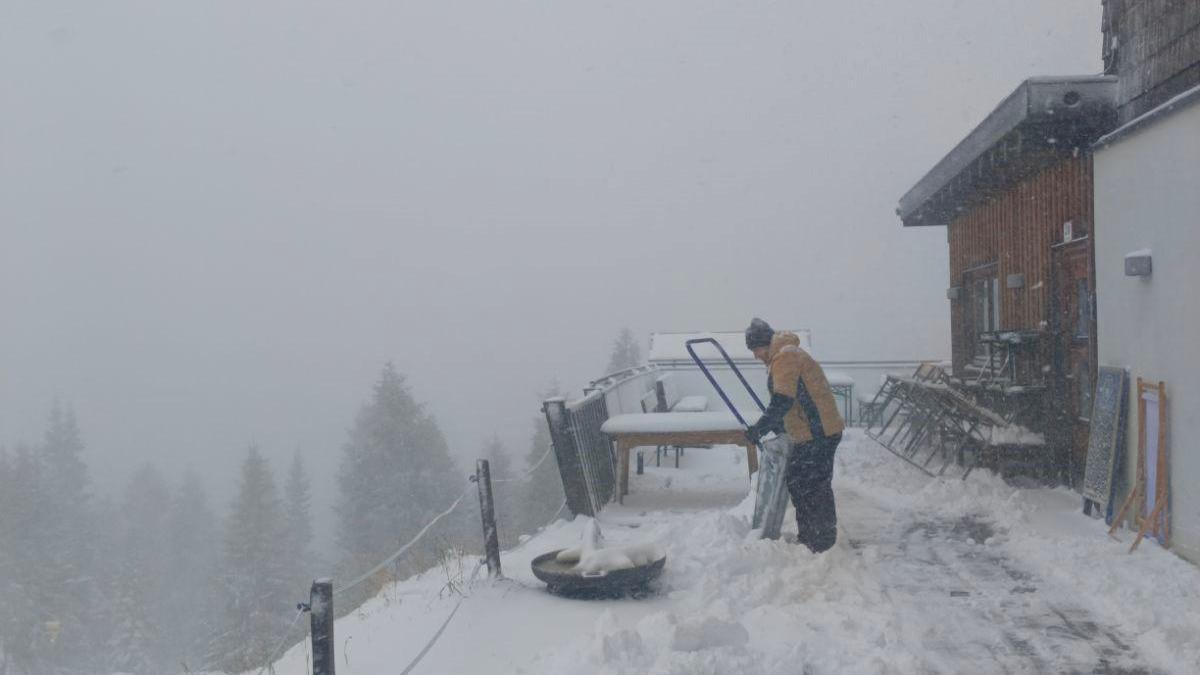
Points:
(22, 634)
(139, 644)
(395, 476)
(544, 492)
(111, 580)
(63, 544)
(8, 563)
(194, 534)
(256, 595)
(298, 533)
(625, 352)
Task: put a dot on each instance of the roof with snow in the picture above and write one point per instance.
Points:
(1042, 120)
(672, 347)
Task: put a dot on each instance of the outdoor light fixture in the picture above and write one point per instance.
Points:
(1015, 280)
(954, 292)
(1137, 263)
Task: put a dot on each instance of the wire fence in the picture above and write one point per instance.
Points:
(396, 555)
(400, 551)
(284, 640)
(528, 472)
(442, 629)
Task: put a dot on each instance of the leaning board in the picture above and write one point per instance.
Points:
(1107, 434)
(770, 500)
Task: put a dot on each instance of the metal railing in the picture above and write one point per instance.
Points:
(585, 459)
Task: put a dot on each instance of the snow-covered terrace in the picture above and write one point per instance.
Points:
(928, 576)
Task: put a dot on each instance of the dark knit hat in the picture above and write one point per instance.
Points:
(759, 334)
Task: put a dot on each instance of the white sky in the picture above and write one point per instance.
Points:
(218, 219)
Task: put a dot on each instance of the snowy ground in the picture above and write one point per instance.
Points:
(928, 576)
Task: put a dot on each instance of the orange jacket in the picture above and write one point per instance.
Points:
(794, 373)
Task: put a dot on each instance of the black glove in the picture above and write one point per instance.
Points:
(753, 434)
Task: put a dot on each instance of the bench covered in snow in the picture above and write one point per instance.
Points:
(679, 429)
(691, 404)
(669, 399)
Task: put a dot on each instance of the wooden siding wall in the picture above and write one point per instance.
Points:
(1153, 46)
(1016, 229)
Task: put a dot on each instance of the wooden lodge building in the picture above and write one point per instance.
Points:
(1015, 197)
(1026, 196)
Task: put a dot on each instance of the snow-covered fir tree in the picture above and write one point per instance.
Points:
(626, 353)
(24, 630)
(61, 545)
(258, 601)
(395, 475)
(195, 536)
(140, 643)
(298, 534)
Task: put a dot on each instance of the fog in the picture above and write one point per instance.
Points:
(219, 220)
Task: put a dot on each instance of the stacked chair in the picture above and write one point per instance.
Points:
(922, 417)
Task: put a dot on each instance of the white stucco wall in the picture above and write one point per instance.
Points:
(1147, 195)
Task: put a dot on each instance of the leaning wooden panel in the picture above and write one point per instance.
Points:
(1157, 522)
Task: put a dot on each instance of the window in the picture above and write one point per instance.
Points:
(985, 309)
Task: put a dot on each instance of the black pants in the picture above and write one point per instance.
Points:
(810, 483)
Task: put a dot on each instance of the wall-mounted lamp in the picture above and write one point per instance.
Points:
(1138, 263)
(954, 292)
(1015, 280)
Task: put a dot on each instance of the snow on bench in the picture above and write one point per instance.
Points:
(691, 404)
(653, 423)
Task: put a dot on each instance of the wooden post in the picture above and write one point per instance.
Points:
(487, 512)
(320, 603)
(641, 465)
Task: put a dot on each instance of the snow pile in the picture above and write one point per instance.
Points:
(592, 557)
(1014, 434)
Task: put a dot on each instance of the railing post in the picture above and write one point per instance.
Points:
(487, 512)
(320, 604)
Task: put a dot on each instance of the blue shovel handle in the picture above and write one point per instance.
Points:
(713, 381)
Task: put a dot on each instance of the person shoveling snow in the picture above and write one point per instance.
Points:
(802, 406)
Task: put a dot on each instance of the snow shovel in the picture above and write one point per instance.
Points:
(770, 498)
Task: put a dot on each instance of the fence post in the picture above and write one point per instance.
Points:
(487, 512)
(320, 602)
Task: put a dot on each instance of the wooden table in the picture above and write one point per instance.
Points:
(679, 429)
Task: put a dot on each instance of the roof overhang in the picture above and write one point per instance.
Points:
(1044, 119)
(1184, 100)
